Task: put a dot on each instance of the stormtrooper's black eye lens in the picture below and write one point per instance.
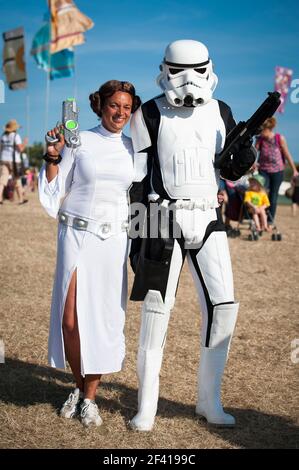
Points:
(174, 71)
(200, 70)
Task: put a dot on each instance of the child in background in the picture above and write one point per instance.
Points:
(29, 174)
(257, 201)
(295, 196)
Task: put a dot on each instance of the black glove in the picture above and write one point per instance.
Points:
(241, 146)
(242, 160)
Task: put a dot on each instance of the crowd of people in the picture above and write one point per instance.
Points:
(266, 174)
(16, 176)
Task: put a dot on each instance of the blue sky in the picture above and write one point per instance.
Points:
(246, 41)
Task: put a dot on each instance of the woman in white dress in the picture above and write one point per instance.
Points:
(87, 188)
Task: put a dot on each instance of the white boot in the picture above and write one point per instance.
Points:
(212, 363)
(154, 322)
(148, 369)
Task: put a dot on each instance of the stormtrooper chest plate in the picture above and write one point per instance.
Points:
(188, 139)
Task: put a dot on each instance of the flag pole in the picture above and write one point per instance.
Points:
(47, 101)
(27, 105)
(75, 77)
(28, 125)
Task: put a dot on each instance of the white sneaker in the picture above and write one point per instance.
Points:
(71, 407)
(90, 413)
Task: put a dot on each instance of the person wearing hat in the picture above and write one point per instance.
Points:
(257, 201)
(10, 159)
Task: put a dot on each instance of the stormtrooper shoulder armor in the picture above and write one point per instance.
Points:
(227, 116)
(139, 132)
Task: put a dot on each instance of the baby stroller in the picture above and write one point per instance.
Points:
(236, 210)
(233, 207)
(255, 234)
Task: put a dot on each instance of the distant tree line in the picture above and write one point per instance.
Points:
(35, 154)
(288, 172)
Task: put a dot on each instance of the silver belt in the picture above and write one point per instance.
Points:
(103, 229)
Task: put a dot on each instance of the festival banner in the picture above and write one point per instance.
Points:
(14, 66)
(67, 25)
(58, 65)
(283, 78)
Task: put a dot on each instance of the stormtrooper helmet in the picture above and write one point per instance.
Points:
(187, 76)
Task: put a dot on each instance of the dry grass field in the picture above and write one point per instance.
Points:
(260, 385)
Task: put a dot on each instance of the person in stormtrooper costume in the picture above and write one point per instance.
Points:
(176, 138)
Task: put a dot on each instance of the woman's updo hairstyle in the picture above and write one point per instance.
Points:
(98, 98)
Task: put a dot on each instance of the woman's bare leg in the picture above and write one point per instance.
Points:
(91, 383)
(71, 333)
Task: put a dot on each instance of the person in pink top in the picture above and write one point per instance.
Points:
(273, 152)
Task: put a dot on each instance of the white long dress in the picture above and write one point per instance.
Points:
(93, 181)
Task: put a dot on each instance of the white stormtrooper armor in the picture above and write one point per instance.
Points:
(187, 76)
(187, 143)
(175, 139)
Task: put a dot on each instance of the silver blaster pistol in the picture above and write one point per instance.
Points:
(70, 124)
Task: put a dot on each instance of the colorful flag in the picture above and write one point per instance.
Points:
(13, 59)
(283, 78)
(59, 65)
(67, 25)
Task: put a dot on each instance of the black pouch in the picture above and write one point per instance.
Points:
(152, 271)
(153, 263)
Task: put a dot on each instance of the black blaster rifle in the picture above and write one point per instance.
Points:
(244, 131)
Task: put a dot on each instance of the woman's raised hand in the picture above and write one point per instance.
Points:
(54, 149)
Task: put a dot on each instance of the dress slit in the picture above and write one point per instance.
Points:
(75, 270)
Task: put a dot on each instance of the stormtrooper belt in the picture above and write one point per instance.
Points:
(188, 204)
(101, 228)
